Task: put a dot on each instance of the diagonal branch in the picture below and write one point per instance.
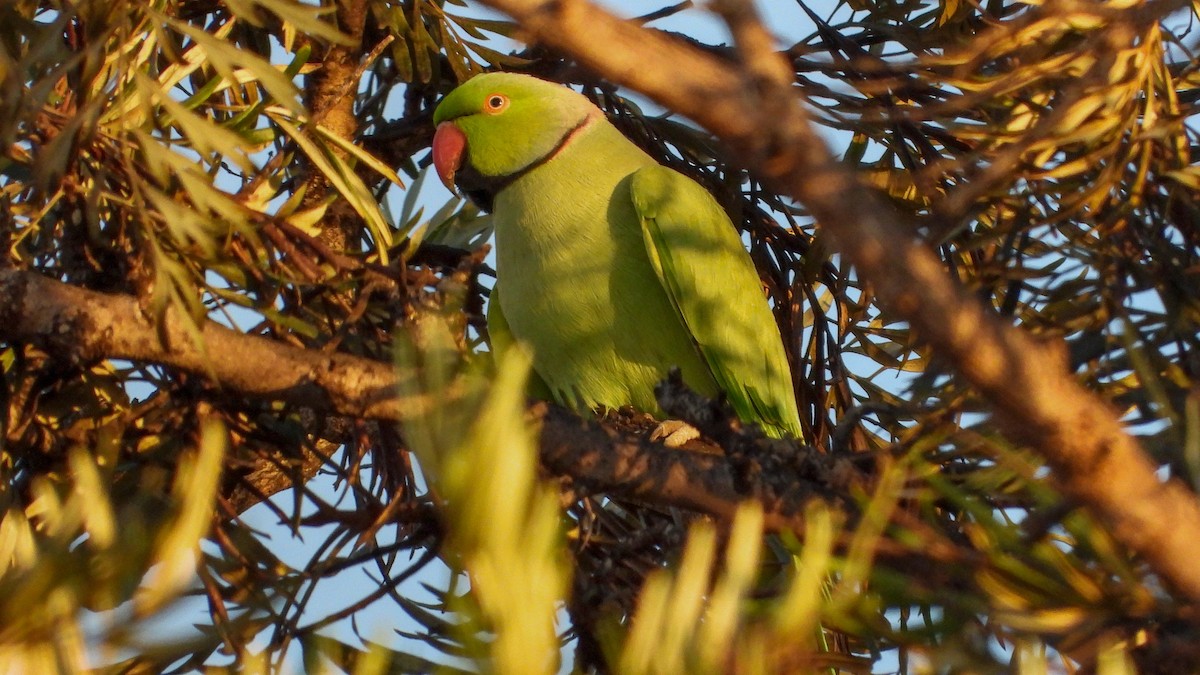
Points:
(762, 119)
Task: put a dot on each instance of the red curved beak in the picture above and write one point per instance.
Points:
(449, 144)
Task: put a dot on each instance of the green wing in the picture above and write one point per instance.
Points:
(715, 289)
(501, 339)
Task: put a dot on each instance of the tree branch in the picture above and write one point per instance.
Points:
(84, 326)
(761, 118)
(329, 93)
(81, 326)
(606, 459)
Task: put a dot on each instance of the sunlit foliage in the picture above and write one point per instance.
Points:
(190, 154)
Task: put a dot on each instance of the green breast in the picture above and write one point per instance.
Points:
(578, 287)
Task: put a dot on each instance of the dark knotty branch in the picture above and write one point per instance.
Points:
(329, 94)
(755, 109)
(601, 458)
(81, 326)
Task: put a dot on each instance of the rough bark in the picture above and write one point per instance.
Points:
(81, 326)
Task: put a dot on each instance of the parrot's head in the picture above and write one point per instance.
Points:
(495, 127)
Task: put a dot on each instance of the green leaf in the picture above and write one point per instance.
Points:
(345, 181)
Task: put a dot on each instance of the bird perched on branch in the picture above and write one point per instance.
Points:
(611, 268)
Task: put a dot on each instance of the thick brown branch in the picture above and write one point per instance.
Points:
(85, 326)
(82, 326)
(329, 94)
(1036, 400)
(603, 459)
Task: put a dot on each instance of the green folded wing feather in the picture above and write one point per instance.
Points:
(715, 289)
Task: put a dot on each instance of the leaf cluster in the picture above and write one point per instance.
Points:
(185, 153)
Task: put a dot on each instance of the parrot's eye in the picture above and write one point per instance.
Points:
(495, 103)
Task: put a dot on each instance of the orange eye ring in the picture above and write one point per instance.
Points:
(495, 104)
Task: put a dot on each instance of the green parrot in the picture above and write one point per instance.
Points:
(610, 268)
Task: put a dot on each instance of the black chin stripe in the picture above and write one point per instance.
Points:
(482, 190)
